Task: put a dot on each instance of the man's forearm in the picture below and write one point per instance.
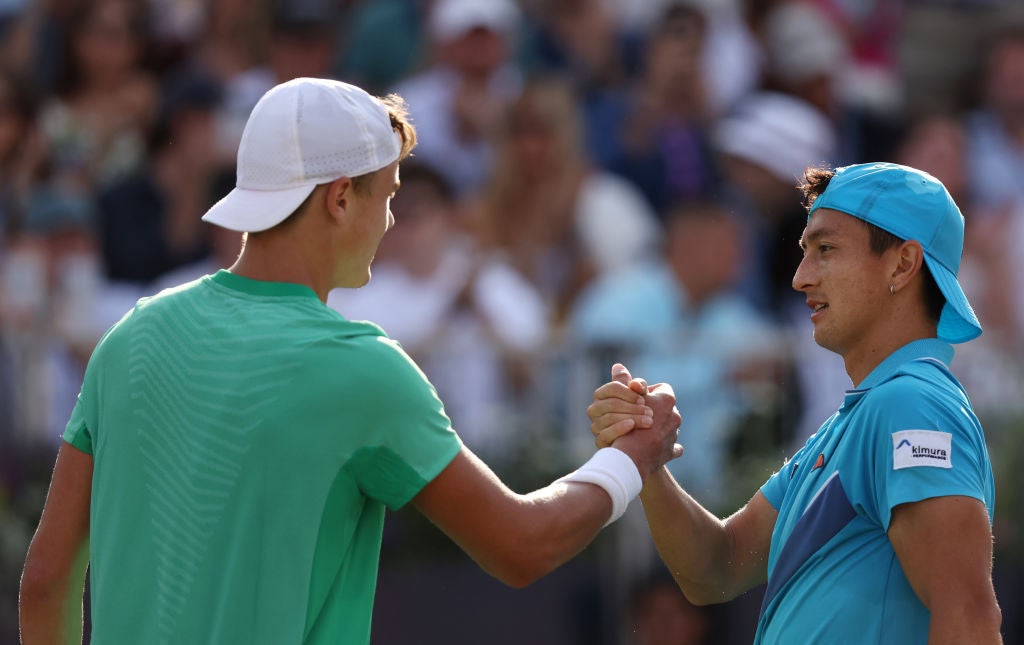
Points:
(699, 549)
(977, 623)
(50, 610)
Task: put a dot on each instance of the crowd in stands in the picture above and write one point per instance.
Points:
(596, 181)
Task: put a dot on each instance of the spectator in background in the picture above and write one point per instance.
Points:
(50, 278)
(805, 53)
(995, 165)
(466, 316)
(996, 127)
(95, 127)
(148, 222)
(581, 41)
(34, 40)
(941, 45)
(731, 58)
(870, 76)
(660, 139)
(457, 102)
(233, 38)
(811, 53)
(18, 156)
(301, 42)
(20, 149)
(560, 220)
(383, 43)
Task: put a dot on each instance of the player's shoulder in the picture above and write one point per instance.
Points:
(922, 378)
(369, 356)
(170, 296)
(357, 339)
(922, 393)
(375, 347)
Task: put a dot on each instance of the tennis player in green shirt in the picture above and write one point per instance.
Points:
(235, 443)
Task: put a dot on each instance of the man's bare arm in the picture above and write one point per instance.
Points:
(520, 538)
(944, 545)
(712, 560)
(50, 603)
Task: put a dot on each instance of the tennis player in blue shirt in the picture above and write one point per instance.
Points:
(879, 530)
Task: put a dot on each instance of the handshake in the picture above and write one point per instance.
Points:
(626, 404)
(635, 427)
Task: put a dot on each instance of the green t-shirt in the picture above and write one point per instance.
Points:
(246, 439)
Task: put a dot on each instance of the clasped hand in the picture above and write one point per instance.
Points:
(625, 404)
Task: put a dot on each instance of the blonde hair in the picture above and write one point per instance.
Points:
(398, 112)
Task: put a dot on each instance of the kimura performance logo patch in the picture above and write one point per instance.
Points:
(921, 448)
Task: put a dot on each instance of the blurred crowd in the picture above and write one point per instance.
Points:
(597, 181)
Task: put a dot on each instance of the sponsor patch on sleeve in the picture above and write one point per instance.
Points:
(921, 448)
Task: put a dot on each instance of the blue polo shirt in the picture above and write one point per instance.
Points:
(908, 433)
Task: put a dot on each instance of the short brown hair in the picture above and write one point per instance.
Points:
(816, 180)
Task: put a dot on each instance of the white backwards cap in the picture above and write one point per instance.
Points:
(303, 133)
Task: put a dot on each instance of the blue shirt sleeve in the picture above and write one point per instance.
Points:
(911, 417)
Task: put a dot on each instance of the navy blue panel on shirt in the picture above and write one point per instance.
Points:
(827, 514)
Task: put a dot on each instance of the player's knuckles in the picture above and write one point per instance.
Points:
(661, 403)
(601, 407)
(615, 407)
(598, 411)
(614, 390)
(664, 389)
(603, 422)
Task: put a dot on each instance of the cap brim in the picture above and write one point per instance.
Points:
(251, 211)
(958, 323)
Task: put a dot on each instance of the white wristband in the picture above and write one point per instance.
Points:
(615, 472)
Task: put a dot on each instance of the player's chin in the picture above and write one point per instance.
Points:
(362, 280)
(354, 281)
(826, 340)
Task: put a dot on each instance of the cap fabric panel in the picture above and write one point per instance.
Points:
(958, 323)
(269, 150)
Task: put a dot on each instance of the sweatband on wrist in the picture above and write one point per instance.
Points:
(615, 472)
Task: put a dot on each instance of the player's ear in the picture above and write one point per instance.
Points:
(338, 197)
(909, 260)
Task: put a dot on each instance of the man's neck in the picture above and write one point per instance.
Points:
(272, 259)
(861, 361)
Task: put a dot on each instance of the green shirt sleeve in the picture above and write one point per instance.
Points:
(77, 431)
(409, 438)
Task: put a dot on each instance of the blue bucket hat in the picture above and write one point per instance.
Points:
(912, 205)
